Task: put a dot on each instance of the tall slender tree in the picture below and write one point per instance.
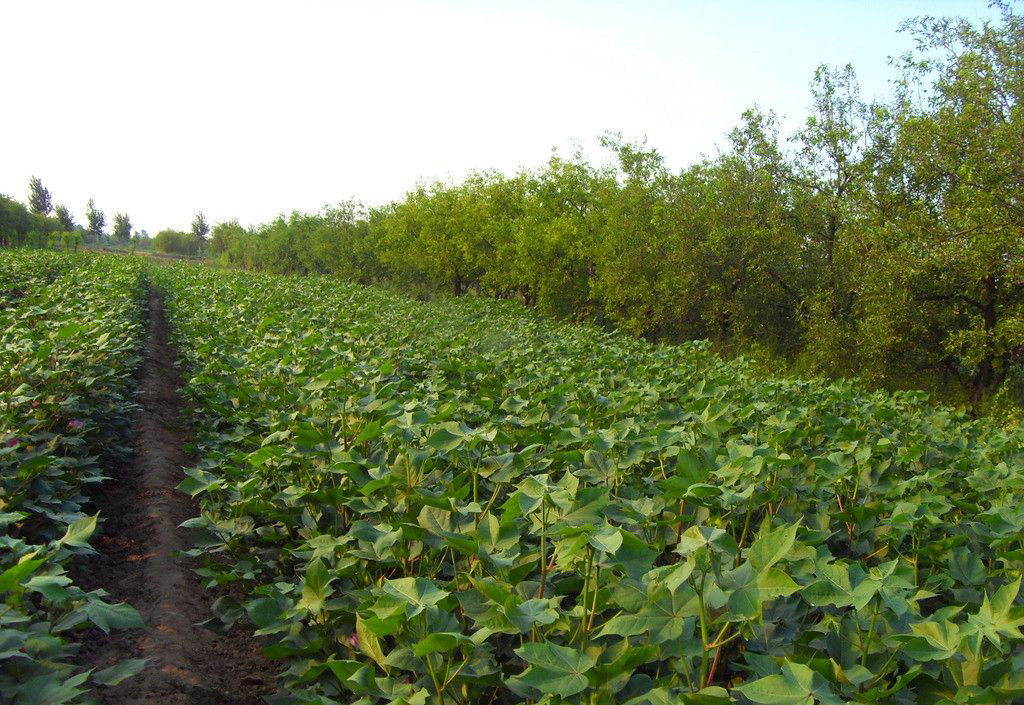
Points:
(39, 197)
(67, 220)
(96, 220)
(200, 228)
(122, 228)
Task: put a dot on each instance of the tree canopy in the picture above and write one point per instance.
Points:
(881, 239)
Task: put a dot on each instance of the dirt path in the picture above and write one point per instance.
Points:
(190, 665)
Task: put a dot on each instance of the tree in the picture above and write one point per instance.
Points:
(200, 228)
(176, 242)
(15, 222)
(122, 228)
(948, 295)
(67, 220)
(829, 173)
(96, 220)
(39, 197)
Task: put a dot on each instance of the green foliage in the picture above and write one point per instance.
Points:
(945, 295)
(21, 228)
(177, 242)
(67, 220)
(39, 197)
(458, 501)
(200, 228)
(122, 228)
(70, 328)
(880, 239)
(96, 219)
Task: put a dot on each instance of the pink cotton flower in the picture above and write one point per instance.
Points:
(75, 425)
(353, 640)
(12, 442)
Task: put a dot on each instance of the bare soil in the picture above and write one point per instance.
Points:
(137, 562)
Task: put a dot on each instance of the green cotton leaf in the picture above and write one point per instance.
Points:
(554, 670)
(78, 533)
(1002, 601)
(966, 567)
(607, 538)
(747, 599)
(625, 625)
(531, 612)
(744, 602)
(369, 644)
(343, 669)
(532, 491)
(324, 379)
(656, 696)
(588, 508)
(444, 440)
(334, 374)
(68, 330)
(775, 583)
(326, 546)
(840, 585)
(369, 432)
(776, 690)
(935, 640)
(437, 521)
(771, 547)
(12, 577)
(417, 593)
(634, 556)
(690, 468)
(712, 695)
(997, 617)
(120, 671)
(49, 689)
(698, 537)
(52, 587)
(440, 642)
(315, 586)
(8, 518)
(107, 617)
(264, 611)
(678, 575)
(198, 481)
(629, 658)
(670, 614)
(797, 685)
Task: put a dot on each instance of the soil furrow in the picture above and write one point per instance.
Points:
(138, 562)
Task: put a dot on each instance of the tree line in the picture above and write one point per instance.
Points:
(882, 239)
(43, 224)
(189, 243)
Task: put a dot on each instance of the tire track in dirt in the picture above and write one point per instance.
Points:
(137, 562)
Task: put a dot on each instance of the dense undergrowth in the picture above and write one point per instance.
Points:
(458, 502)
(70, 334)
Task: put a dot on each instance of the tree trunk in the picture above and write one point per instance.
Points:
(985, 378)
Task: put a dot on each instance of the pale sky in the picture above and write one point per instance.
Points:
(250, 109)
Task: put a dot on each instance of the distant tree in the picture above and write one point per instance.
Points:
(122, 228)
(39, 197)
(15, 222)
(176, 242)
(71, 240)
(67, 220)
(200, 228)
(96, 220)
